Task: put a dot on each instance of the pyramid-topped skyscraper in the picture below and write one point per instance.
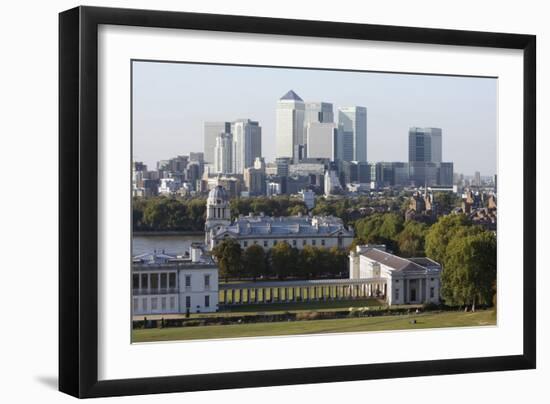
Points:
(291, 96)
(290, 125)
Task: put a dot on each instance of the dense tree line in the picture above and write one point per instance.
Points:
(469, 257)
(274, 206)
(168, 214)
(281, 262)
(162, 213)
(466, 252)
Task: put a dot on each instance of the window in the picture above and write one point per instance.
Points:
(294, 243)
(172, 302)
(154, 281)
(163, 303)
(396, 294)
(255, 242)
(245, 243)
(172, 280)
(274, 242)
(432, 292)
(154, 303)
(144, 304)
(206, 301)
(187, 281)
(136, 304)
(163, 281)
(144, 281)
(187, 301)
(313, 242)
(265, 243)
(304, 242)
(207, 281)
(135, 281)
(322, 242)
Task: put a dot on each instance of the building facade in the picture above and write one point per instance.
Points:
(408, 280)
(247, 144)
(164, 284)
(321, 140)
(223, 154)
(266, 231)
(211, 132)
(354, 120)
(297, 231)
(425, 145)
(289, 125)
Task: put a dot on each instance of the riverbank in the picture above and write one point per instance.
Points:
(167, 233)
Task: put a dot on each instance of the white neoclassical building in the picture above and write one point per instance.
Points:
(266, 231)
(164, 284)
(408, 280)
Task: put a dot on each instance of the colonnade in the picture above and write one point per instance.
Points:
(233, 294)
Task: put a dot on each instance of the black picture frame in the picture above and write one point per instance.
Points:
(78, 201)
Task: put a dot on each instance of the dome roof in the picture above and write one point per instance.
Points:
(218, 193)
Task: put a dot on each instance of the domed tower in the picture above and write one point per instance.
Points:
(218, 213)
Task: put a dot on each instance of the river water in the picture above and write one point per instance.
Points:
(172, 245)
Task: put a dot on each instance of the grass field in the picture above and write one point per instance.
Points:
(274, 308)
(382, 323)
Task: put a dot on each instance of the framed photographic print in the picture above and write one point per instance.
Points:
(250, 201)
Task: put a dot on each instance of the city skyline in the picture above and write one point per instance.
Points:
(171, 105)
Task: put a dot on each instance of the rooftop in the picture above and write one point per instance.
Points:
(397, 263)
(291, 96)
(291, 225)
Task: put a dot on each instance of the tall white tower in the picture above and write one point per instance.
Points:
(354, 121)
(218, 213)
(290, 125)
(223, 154)
(247, 144)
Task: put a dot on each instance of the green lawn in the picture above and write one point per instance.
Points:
(399, 322)
(329, 305)
(274, 308)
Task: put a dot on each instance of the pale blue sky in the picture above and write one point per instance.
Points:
(172, 100)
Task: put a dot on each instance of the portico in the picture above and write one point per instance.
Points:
(408, 280)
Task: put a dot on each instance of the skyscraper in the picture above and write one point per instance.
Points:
(211, 132)
(290, 125)
(318, 112)
(344, 145)
(425, 145)
(354, 120)
(223, 154)
(321, 140)
(247, 144)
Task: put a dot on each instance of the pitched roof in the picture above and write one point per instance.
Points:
(392, 261)
(281, 226)
(291, 96)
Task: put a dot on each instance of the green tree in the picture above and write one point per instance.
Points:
(309, 260)
(297, 209)
(411, 239)
(283, 260)
(391, 226)
(166, 214)
(441, 232)
(469, 274)
(254, 261)
(229, 256)
(138, 206)
(445, 201)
